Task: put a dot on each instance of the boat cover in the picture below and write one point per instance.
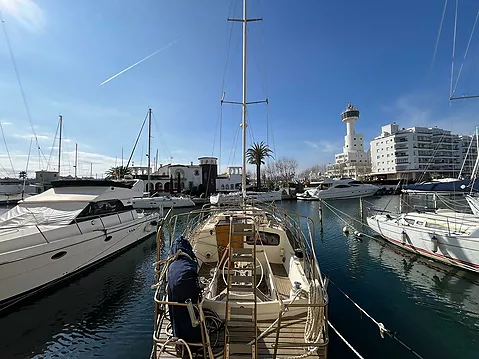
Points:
(451, 186)
(182, 285)
(56, 214)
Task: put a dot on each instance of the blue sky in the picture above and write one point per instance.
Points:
(309, 57)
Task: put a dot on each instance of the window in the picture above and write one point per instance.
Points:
(266, 239)
(222, 186)
(227, 186)
(197, 173)
(101, 208)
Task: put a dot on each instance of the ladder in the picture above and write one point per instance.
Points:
(241, 326)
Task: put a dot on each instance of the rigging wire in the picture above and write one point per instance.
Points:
(438, 35)
(165, 148)
(453, 48)
(228, 48)
(265, 84)
(4, 170)
(465, 53)
(231, 159)
(8, 152)
(53, 145)
(27, 109)
(136, 142)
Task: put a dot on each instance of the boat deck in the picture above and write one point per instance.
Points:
(291, 333)
(283, 284)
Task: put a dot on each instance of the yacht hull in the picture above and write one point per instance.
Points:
(347, 194)
(456, 250)
(25, 272)
(159, 202)
(256, 197)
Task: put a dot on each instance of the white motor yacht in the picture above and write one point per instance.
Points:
(77, 223)
(251, 197)
(162, 202)
(343, 188)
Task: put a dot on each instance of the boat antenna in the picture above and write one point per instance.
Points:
(76, 159)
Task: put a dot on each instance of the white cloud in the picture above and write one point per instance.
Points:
(324, 146)
(28, 137)
(5, 123)
(26, 12)
(87, 161)
(429, 111)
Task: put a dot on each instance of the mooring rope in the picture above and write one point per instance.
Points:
(382, 329)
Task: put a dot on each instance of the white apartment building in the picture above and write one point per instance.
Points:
(230, 181)
(353, 162)
(169, 177)
(421, 153)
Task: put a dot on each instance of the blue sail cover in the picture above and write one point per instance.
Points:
(183, 285)
(460, 186)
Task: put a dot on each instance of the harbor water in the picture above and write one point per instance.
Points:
(107, 312)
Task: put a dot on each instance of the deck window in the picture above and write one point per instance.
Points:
(267, 239)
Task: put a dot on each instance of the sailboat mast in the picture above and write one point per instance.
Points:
(243, 124)
(149, 149)
(60, 146)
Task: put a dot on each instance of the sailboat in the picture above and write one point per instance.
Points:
(239, 281)
(155, 202)
(445, 235)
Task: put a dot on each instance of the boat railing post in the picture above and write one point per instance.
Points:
(78, 226)
(321, 211)
(101, 220)
(361, 209)
(39, 230)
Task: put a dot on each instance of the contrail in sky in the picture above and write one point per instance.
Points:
(139, 62)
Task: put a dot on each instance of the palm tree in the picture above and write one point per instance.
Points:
(256, 155)
(119, 172)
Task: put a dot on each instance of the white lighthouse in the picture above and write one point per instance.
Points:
(353, 141)
(353, 161)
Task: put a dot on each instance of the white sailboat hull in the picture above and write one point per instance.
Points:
(57, 253)
(461, 250)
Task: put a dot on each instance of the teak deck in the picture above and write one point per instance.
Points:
(291, 333)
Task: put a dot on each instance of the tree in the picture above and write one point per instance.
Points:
(256, 155)
(286, 169)
(118, 172)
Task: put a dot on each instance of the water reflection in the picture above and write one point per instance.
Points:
(82, 315)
